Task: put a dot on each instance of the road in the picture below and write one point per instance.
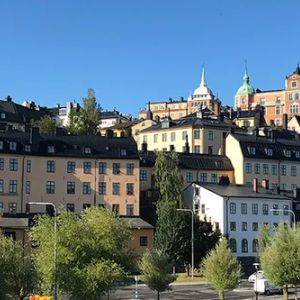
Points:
(190, 292)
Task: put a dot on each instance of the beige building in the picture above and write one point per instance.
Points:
(270, 158)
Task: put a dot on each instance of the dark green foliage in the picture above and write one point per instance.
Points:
(46, 125)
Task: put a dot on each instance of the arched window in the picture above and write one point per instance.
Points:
(254, 245)
(244, 246)
(232, 245)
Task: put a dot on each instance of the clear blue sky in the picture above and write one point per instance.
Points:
(133, 51)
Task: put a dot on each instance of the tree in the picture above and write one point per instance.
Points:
(17, 274)
(221, 268)
(74, 121)
(156, 269)
(280, 259)
(46, 125)
(92, 252)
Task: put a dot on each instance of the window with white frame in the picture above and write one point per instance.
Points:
(248, 168)
(232, 208)
(243, 208)
(293, 170)
(189, 177)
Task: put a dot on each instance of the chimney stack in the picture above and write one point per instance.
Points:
(255, 185)
(144, 147)
(35, 139)
(284, 121)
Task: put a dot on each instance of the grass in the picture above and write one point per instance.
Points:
(182, 277)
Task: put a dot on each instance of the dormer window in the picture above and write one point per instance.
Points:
(12, 146)
(251, 150)
(27, 148)
(51, 149)
(269, 151)
(2, 116)
(297, 154)
(123, 152)
(87, 150)
(1, 145)
(287, 153)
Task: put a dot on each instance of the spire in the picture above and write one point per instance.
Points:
(203, 79)
(246, 76)
(297, 69)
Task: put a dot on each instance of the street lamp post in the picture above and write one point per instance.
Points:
(256, 268)
(192, 241)
(55, 243)
(289, 211)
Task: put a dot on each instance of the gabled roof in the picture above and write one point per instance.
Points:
(136, 223)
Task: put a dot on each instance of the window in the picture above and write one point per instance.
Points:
(297, 153)
(265, 169)
(50, 166)
(255, 226)
(130, 169)
(293, 171)
(86, 188)
(285, 210)
(294, 108)
(116, 208)
(244, 226)
(1, 164)
(51, 149)
(27, 148)
(12, 146)
(210, 135)
(251, 150)
(143, 175)
(102, 188)
(202, 209)
(203, 177)
(13, 164)
(71, 187)
(214, 178)
(184, 134)
(50, 187)
(86, 205)
(1, 186)
(1, 207)
(70, 207)
(275, 209)
(294, 84)
(145, 139)
(290, 96)
(210, 150)
(129, 209)
(265, 209)
(129, 188)
(116, 188)
(143, 241)
(196, 149)
(116, 168)
(12, 186)
(274, 169)
(1, 145)
(287, 153)
(254, 208)
(254, 245)
(197, 134)
(173, 136)
(283, 170)
(232, 208)
(233, 226)
(243, 208)
(87, 167)
(27, 187)
(71, 165)
(2, 115)
(277, 110)
(244, 246)
(257, 168)
(232, 245)
(248, 168)
(155, 138)
(12, 207)
(87, 150)
(28, 166)
(189, 177)
(102, 167)
(164, 137)
(296, 96)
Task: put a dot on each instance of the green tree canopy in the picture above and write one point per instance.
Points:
(157, 270)
(280, 259)
(46, 125)
(92, 252)
(221, 268)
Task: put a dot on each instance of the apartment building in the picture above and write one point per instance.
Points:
(200, 134)
(265, 157)
(73, 172)
(239, 212)
(276, 102)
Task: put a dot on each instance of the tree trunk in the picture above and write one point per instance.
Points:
(221, 295)
(285, 293)
(158, 295)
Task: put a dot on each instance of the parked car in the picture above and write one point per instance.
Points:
(252, 277)
(264, 286)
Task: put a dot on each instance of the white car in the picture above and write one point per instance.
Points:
(252, 277)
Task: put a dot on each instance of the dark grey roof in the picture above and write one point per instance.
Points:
(14, 222)
(137, 223)
(241, 191)
(111, 114)
(71, 146)
(193, 161)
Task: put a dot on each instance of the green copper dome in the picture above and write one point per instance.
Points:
(246, 87)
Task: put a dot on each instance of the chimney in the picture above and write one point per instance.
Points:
(199, 112)
(109, 134)
(255, 185)
(35, 139)
(265, 184)
(144, 147)
(284, 121)
(186, 147)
